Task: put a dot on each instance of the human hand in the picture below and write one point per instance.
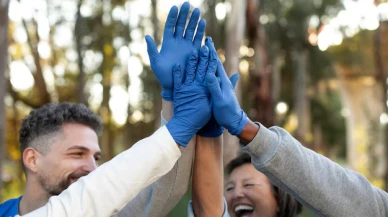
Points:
(176, 46)
(192, 108)
(226, 109)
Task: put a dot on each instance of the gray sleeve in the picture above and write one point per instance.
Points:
(314, 180)
(158, 199)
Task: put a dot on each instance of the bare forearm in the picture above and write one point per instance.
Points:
(208, 177)
(167, 109)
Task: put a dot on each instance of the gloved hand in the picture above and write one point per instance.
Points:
(212, 129)
(176, 46)
(191, 98)
(226, 109)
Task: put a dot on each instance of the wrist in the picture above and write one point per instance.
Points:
(167, 95)
(239, 126)
(211, 130)
(167, 109)
(249, 132)
(181, 132)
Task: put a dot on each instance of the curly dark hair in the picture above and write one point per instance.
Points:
(41, 124)
(288, 206)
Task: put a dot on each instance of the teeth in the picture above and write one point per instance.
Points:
(243, 207)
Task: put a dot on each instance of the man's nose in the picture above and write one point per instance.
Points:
(90, 165)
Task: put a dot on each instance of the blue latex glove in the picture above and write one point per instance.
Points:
(212, 129)
(176, 46)
(226, 109)
(191, 98)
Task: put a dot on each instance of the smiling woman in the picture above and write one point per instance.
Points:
(249, 193)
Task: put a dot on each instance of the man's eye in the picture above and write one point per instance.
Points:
(78, 154)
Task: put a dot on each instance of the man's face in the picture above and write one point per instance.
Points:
(73, 154)
(248, 193)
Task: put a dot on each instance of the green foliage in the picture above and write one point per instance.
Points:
(326, 112)
(356, 52)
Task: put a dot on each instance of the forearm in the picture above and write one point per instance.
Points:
(208, 177)
(167, 110)
(161, 196)
(117, 181)
(314, 180)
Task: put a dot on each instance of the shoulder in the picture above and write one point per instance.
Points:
(10, 207)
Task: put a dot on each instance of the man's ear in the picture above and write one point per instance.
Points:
(30, 158)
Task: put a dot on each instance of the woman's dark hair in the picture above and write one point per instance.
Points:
(288, 206)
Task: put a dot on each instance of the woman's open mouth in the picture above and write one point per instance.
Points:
(243, 210)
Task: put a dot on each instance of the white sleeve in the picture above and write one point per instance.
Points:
(106, 190)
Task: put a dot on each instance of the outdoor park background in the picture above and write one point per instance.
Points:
(317, 68)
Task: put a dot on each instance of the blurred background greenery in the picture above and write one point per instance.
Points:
(313, 67)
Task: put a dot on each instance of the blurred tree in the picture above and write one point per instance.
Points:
(260, 74)
(355, 65)
(288, 28)
(4, 4)
(381, 77)
(235, 29)
(78, 32)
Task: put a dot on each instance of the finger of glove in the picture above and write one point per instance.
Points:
(225, 82)
(199, 35)
(213, 87)
(209, 43)
(177, 76)
(170, 23)
(233, 79)
(152, 50)
(191, 67)
(203, 62)
(212, 66)
(182, 18)
(190, 30)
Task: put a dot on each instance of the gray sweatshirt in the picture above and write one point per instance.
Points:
(317, 182)
(158, 199)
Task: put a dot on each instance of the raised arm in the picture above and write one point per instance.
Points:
(314, 180)
(160, 197)
(207, 187)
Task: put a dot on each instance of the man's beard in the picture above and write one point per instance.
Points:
(53, 187)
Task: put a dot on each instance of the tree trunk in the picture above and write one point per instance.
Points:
(381, 77)
(277, 81)
(235, 29)
(157, 101)
(301, 100)
(38, 74)
(362, 99)
(260, 75)
(213, 27)
(3, 85)
(81, 96)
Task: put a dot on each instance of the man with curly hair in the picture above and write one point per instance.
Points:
(59, 145)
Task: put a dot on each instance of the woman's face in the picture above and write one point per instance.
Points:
(248, 193)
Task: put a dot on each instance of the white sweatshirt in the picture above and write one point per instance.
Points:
(106, 190)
